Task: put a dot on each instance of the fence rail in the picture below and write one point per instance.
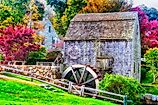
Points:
(71, 87)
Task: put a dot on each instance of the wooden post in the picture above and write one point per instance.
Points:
(32, 73)
(125, 100)
(70, 87)
(61, 67)
(82, 91)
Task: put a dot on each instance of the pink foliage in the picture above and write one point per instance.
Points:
(16, 42)
(149, 30)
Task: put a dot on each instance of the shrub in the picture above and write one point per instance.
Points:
(144, 70)
(151, 59)
(123, 85)
(34, 56)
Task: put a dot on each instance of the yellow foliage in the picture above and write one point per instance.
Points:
(38, 38)
(101, 6)
(33, 14)
(26, 44)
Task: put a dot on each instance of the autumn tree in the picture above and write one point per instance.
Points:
(59, 8)
(16, 42)
(101, 6)
(8, 16)
(65, 11)
(148, 30)
(152, 13)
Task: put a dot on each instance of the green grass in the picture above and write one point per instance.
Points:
(151, 88)
(15, 93)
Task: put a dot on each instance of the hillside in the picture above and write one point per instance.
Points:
(20, 93)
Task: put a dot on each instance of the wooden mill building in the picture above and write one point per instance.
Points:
(106, 41)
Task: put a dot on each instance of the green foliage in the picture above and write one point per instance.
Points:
(123, 85)
(15, 93)
(12, 12)
(149, 77)
(151, 88)
(52, 55)
(59, 6)
(145, 74)
(151, 59)
(40, 9)
(1, 57)
(40, 54)
(8, 16)
(20, 5)
(62, 20)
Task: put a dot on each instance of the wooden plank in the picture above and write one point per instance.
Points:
(61, 82)
(103, 97)
(110, 93)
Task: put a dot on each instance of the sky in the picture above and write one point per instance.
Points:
(150, 3)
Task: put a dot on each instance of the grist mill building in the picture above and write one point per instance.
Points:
(107, 41)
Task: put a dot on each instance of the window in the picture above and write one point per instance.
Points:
(49, 29)
(53, 40)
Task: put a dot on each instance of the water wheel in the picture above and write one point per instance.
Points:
(81, 75)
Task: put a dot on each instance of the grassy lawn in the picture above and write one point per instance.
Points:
(16, 93)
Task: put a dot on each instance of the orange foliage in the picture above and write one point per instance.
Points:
(101, 6)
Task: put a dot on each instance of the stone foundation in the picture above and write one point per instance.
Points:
(37, 71)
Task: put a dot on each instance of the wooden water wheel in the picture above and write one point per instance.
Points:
(81, 75)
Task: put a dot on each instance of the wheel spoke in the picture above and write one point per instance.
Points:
(82, 74)
(90, 80)
(74, 74)
(87, 76)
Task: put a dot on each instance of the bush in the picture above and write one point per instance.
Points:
(52, 55)
(151, 59)
(123, 85)
(34, 56)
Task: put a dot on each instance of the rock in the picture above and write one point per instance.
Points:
(148, 96)
(154, 98)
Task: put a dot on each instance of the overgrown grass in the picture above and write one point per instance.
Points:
(15, 93)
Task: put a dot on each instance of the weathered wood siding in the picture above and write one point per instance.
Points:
(122, 53)
(120, 50)
(88, 54)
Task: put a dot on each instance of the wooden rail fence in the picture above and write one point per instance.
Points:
(71, 87)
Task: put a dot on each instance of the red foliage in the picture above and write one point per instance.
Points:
(16, 42)
(149, 30)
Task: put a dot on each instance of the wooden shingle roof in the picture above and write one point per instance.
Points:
(119, 25)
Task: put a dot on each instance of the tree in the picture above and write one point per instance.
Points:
(101, 6)
(9, 16)
(74, 7)
(20, 5)
(152, 13)
(16, 42)
(149, 30)
(59, 6)
(64, 15)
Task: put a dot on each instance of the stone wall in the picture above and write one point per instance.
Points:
(41, 72)
(150, 99)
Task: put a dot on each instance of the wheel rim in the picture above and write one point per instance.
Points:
(81, 75)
